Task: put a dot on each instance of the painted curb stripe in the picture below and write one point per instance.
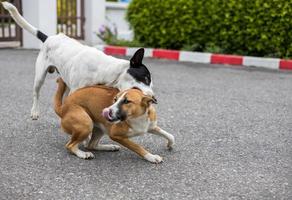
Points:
(167, 54)
(286, 64)
(226, 59)
(113, 50)
(199, 57)
(196, 57)
(271, 63)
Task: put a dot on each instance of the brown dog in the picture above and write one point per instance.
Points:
(89, 112)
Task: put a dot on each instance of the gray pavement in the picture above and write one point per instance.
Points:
(232, 128)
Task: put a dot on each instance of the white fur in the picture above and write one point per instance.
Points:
(153, 158)
(78, 65)
(115, 106)
(81, 66)
(107, 147)
(18, 18)
(82, 154)
(139, 125)
(162, 133)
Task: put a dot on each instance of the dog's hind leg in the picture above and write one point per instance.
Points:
(77, 123)
(40, 75)
(93, 144)
(72, 146)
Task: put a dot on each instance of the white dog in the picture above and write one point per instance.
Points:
(81, 65)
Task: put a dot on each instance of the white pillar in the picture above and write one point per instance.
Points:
(41, 14)
(94, 18)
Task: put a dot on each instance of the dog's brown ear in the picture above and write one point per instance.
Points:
(147, 100)
(154, 100)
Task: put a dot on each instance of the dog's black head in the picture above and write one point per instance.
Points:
(137, 70)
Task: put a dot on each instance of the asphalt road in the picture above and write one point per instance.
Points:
(232, 128)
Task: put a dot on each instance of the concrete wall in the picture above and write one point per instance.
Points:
(116, 14)
(43, 15)
(94, 19)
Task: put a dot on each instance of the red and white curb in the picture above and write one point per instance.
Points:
(198, 57)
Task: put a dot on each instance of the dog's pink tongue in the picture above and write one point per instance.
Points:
(105, 113)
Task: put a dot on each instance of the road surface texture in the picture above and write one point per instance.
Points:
(233, 130)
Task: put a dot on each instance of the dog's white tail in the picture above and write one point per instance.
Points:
(22, 22)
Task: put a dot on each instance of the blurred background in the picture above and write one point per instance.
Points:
(243, 27)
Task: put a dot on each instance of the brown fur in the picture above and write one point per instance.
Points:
(83, 109)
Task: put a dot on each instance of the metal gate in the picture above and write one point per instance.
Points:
(9, 31)
(71, 18)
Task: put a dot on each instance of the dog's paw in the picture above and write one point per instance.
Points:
(112, 147)
(84, 155)
(153, 158)
(34, 115)
(106, 147)
(171, 142)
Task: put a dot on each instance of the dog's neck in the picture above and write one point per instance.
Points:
(139, 124)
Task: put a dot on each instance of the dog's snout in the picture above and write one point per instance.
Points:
(121, 115)
(110, 115)
(107, 113)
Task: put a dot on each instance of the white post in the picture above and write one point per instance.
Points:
(94, 18)
(41, 14)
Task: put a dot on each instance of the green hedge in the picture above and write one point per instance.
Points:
(250, 27)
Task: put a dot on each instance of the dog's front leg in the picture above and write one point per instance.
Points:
(137, 149)
(160, 132)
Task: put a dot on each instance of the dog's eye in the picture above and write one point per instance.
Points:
(126, 101)
(115, 99)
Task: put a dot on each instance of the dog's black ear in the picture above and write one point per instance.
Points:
(137, 58)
